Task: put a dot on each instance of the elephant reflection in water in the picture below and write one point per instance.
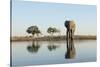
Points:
(70, 54)
(34, 47)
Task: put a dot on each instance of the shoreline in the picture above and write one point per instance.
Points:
(50, 38)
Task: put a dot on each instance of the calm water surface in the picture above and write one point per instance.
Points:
(52, 52)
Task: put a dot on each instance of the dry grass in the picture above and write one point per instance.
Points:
(54, 38)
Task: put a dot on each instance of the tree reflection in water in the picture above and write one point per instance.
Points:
(70, 54)
(34, 47)
(52, 46)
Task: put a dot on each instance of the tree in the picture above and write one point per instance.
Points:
(56, 30)
(33, 30)
(52, 30)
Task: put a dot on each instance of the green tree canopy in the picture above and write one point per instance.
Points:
(33, 30)
(52, 30)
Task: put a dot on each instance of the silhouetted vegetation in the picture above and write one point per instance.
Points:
(33, 30)
(34, 47)
(52, 46)
(52, 30)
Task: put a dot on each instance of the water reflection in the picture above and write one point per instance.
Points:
(70, 54)
(52, 46)
(34, 47)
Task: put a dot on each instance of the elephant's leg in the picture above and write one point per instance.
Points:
(71, 39)
(72, 43)
(68, 40)
(71, 34)
(67, 33)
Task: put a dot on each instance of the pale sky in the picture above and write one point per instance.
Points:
(29, 13)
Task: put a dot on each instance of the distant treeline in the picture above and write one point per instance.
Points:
(53, 38)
